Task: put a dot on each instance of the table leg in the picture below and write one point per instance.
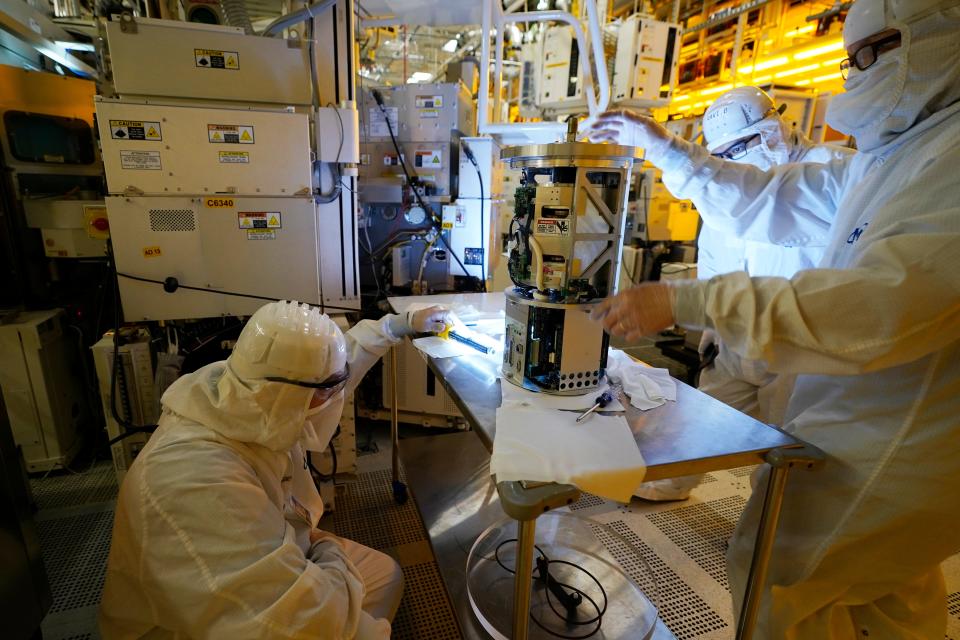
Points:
(522, 579)
(762, 549)
(399, 488)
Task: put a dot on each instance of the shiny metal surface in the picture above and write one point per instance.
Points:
(583, 153)
(449, 477)
(695, 434)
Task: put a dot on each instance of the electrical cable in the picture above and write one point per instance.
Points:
(378, 98)
(571, 600)
(171, 284)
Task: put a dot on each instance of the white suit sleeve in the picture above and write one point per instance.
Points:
(899, 302)
(368, 341)
(220, 561)
(793, 204)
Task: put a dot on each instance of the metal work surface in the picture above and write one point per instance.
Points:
(450, 479)
(695, 434)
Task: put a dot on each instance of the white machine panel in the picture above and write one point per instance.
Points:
(188, 60)
(256, 246)
(560, 85)
(645, 70)
(156, 149)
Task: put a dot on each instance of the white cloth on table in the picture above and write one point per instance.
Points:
(647, 387)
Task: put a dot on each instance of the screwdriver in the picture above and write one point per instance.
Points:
(603, 400)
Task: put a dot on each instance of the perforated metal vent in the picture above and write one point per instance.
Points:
(172, 220)
(75, 555)
(684, 612)
(367, 513)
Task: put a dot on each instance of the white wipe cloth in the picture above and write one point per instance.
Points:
(647, 387)
(599, 455)
(516, 397)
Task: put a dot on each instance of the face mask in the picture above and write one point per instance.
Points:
(321, 423)
(761, 158)
(871, 96)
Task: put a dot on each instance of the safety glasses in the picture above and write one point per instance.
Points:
(739, 148)
(863, 54)
(330, 383)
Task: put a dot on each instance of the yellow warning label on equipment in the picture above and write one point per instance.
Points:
(258, 219)
(135, 130)
(219, 203)
(428, 159)
(234, 157)
(230, 134)
(152, 252)
(216, 59)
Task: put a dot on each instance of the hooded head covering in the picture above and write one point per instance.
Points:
(234, 398)
(744, 112)
(909, 88)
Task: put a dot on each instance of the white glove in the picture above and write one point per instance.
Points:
(626, 127)
(707, 338)
(430, 320)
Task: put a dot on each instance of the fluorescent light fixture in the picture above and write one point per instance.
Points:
(836, 45)
(802, 83)
(419, 76)
(720, 88)
(833, 63)
(681, 98)
(766, 64)
(799, 31)
(450, 45)
(796, 71)
(828, 77)
(761, 79)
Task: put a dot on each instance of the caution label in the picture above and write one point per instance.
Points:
(230, 134)
(261, 234)
(234, 157)
(551, 227)
(152, 252)
(429, 102)
(141, 160)
(259, 219)
(429, 159)
(219, 203)
(135, 130)
(429, 113)
(216, 59)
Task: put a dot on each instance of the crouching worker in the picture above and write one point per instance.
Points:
(215, 530)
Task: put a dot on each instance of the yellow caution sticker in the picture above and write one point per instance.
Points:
(216, 59)
(230, 134)
(219, 203)
(136, 130)
(259, 219)
(234, 157)
(152, 252)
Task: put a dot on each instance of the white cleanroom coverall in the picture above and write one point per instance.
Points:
(215, 531)
(874, 334)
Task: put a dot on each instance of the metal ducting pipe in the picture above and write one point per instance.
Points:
(296, 17)
(236, 14)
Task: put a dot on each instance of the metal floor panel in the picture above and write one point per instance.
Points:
(98, 484)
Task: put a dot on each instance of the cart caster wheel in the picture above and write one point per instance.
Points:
(399, 492)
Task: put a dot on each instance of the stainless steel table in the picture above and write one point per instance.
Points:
(695, 434)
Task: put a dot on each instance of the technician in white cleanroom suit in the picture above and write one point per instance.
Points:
(744, 126)
(215, 531)
(874, 332)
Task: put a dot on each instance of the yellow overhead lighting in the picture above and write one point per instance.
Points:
(836, 45)
(698, 105)
(796, 71)
(685, 107)
(681, 98)
(720, 88)
(828, 77)
(799, 31)
(767, 43)
(833, 63)
(766, 64)
(761, 79)
(802, 83)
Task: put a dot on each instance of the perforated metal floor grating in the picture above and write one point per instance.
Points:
(75, 553)
(425, 612)
(99, 484)
(682, 610)
(586, 501)
(367, 513)
(742, 471)
(702, 531)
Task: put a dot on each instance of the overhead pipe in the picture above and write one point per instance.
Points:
(296, 17)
